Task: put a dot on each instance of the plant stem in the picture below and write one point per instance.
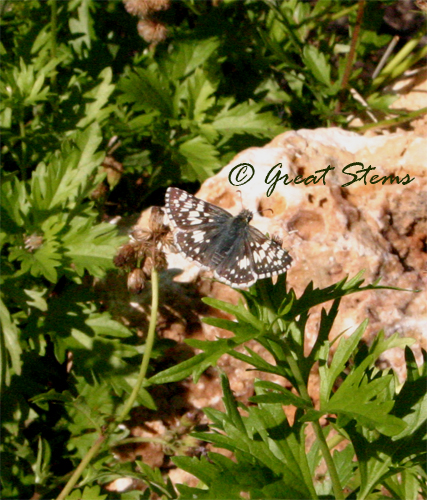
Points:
(132, 398)
(330, 464)
(53, 30)
(267, 306)
(296, 372)
(352, 53)
(393, 121)
(390, 69)
(22, 134)
(302, 388)
(148, 345)
(81, 467)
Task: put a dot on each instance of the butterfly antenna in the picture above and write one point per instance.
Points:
(265, 209)
(241, 200)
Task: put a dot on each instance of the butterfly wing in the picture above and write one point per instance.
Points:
(268, 257)
(197, 225)
(236, 267)
(253, 257)
(186, 212)
(238, 254)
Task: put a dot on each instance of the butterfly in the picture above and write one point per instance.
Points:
(237, 253)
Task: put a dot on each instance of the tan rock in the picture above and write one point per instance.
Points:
(333, 231)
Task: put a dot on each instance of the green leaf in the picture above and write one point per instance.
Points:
(25, 85)
(82, 27)
(260, 363)
(187, 56)
(200, 95)
(42, 262)
(245, 118)
(411, 402)
(154, 477)
(201, 159)
(125, 385)
(328, 375)
(285, 397)
(89, 493)
(68, 176)
(197, 364)
(209, 473)
(38, 301)
(97, 98)
(180, 371)
(91, 247)
(263, 442)
(149, 90)
(104, 325)
(9, 344)
(287, 444)
(52, 395)
(231, 405)
(380, 344)
(407, 484)
(42, 465)
(239, 311)
(243, 332)
(353, 399)
(14, 203)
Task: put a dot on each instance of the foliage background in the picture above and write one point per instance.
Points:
(97, 122)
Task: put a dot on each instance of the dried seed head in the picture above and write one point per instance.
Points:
(127, 256)
(158, 263)
(136, 280)
(152, 31)
(145, 251)
(143, 8)
(157, 225)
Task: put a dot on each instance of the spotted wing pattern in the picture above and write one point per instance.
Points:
(237, 253)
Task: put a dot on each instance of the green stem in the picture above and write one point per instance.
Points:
(132, 398)
(302, 389)
(408, 63)
(296, 372)
(81, 467)
(344, 12)
(390, 68)
(330, 464)
(148, 345)
(22, 134)
(352, 54)
(392, 122)
(53, 32)
(53, 26)
(268, 315)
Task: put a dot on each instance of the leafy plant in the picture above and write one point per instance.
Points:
(315, 72)
(51, 242)
(381, 424)
(75, 78)
(173, 101)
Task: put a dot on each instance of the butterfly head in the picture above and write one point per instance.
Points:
(246, 216)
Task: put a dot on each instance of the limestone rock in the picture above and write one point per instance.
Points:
(333, 230)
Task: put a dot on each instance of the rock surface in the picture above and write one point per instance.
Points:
(333, 230)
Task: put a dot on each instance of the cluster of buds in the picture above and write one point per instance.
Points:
(149, 26)
(145, 251)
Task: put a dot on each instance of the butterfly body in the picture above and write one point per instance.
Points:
(236, 252)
